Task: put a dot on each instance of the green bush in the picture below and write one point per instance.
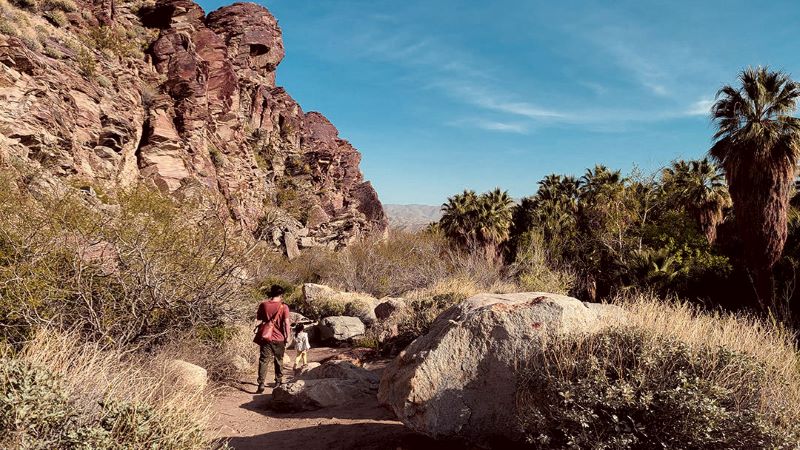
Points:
(134, 275)
(626, 388)
(57, 18)
(34, 409)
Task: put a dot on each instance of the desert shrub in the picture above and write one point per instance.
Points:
(59, 393)
(33, 406)
(87, 63)
(114, 40)
(535, 273)
(130, 275)
(56, 17)
(30, 5)
(59, 5)
(669, 378)
(292, 198)
(401, 263)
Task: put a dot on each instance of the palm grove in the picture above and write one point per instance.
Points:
(722, 229)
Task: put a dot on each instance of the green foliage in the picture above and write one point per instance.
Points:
(292, 198)
(114, 39)
(87, 63)
(36, 412)
(149, 269)
(628, 389)
(216, 156)
(59, 5)
(56, 17)
(124, 424)
(478, 222)
(34, 409)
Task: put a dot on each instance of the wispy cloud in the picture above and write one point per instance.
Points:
(701, 107)
(491, 125)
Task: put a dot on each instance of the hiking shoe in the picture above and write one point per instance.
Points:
(260, 389)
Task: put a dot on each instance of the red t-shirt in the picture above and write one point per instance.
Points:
(278, 312)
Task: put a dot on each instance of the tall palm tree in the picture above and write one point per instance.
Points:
(459, 217)
(757, 144)
(478, 222)
(701, 187)
(494, 220)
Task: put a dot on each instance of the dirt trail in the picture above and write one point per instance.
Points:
(243, 419)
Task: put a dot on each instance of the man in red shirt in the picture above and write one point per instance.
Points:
(273, 310)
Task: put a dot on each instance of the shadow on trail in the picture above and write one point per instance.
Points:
(362, 436)
(357, 410)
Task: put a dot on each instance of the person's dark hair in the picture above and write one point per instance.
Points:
(275, 291)
(299, 327)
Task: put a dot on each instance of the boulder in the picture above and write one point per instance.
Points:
(321, 297)
(340, 328)
(388, 306)
(343, 370)
(297, 318)
(186, 374)
(240, 364)
(458, 381)
(306, 395)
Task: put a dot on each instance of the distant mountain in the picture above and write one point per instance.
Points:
(411, 217)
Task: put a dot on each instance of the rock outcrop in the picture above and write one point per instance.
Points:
(334, 383)
(196, 114)
(340, 328)
(459, 380)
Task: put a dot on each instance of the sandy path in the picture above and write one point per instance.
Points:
(244, 420)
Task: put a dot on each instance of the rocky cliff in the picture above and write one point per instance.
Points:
(107, 94)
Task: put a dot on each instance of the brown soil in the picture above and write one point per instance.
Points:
(244, 420)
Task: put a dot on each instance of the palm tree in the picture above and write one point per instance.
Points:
(700, 186)
(757, 144)
(478, 222)
(458, 218)
(494, 220)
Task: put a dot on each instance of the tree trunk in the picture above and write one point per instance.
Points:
(764, 286)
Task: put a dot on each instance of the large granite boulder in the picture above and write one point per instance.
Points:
(459, 380)
(340, 328)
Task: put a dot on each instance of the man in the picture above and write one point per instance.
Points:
(273, 346)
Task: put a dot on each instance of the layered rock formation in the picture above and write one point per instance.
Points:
(161, 93)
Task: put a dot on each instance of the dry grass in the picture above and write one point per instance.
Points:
(676, 374)
(772, 345)
(91, 375)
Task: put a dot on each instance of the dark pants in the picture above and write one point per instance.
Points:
(274, 351)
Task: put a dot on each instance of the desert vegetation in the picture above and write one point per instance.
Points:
(671, 377)
(99, 290)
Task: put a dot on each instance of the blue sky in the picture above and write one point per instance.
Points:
(442, 95)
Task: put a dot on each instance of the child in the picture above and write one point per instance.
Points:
(301, 345)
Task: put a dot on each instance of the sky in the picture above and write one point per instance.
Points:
(445, 95)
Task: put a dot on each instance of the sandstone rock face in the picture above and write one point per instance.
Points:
(198, 113)
(186, 374)
(340, 328)
(459, 380)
